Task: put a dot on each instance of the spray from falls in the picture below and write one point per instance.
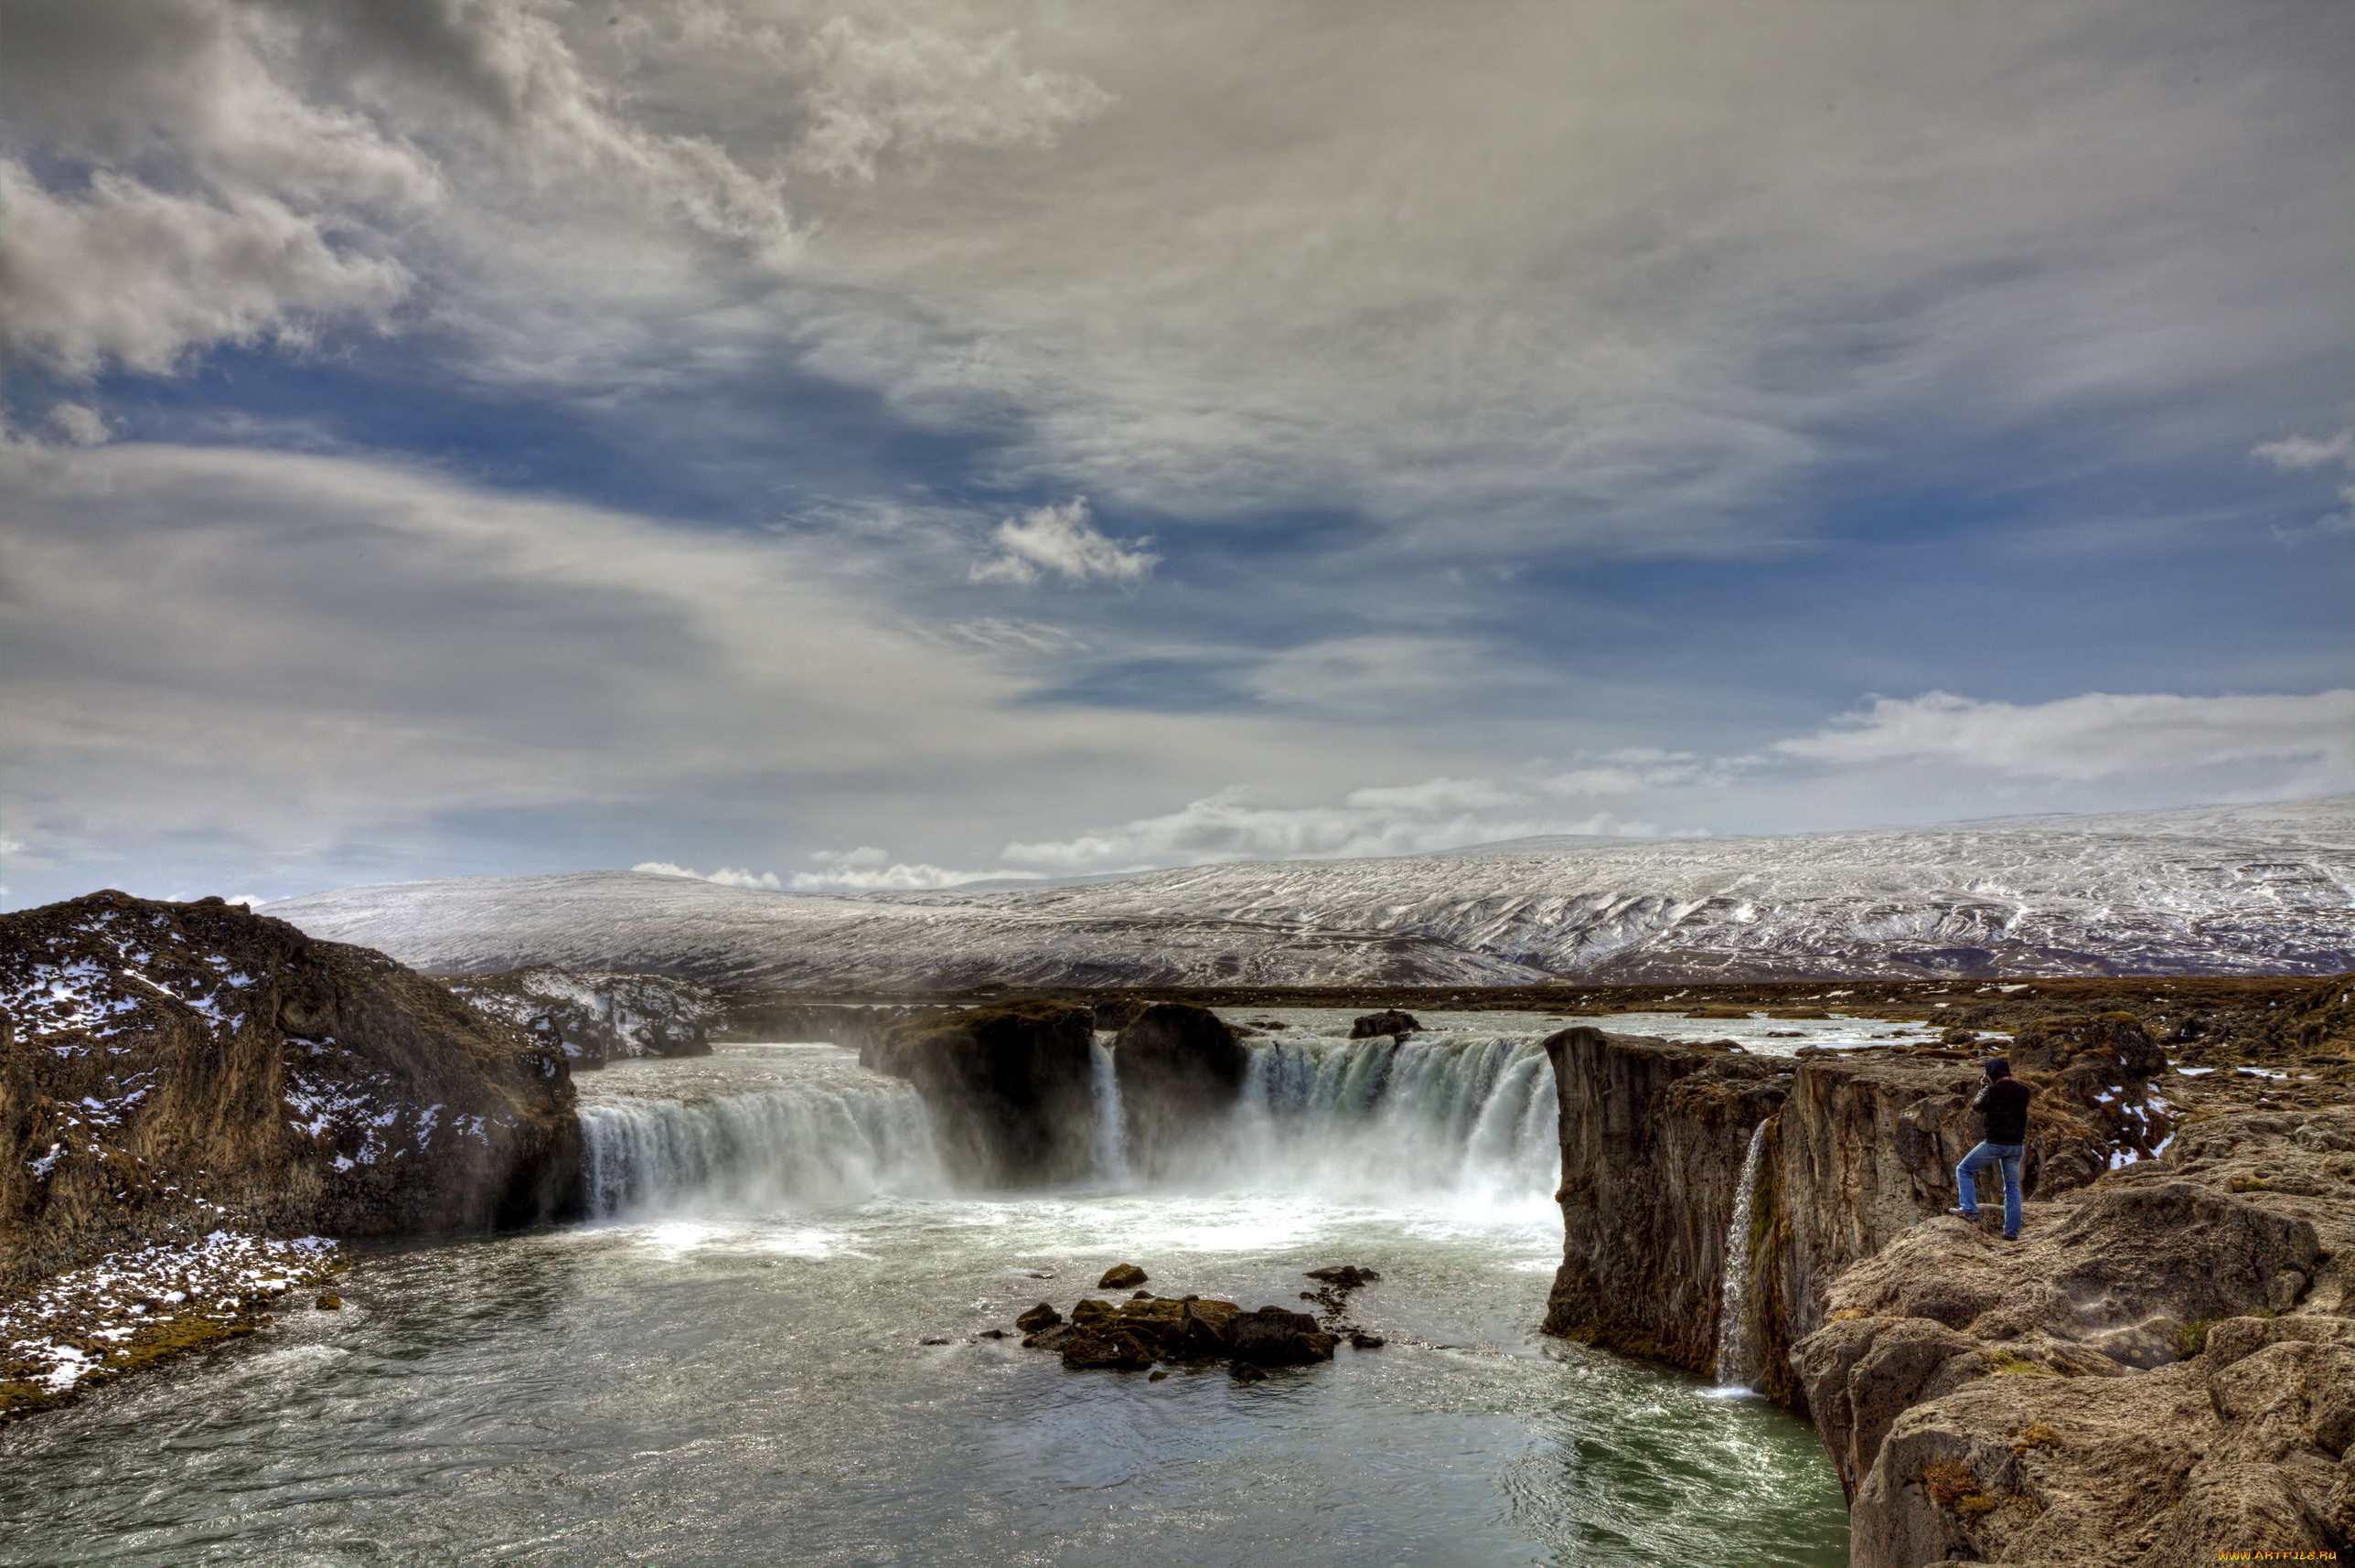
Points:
(1736, 1354)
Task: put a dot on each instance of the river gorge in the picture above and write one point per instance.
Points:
(768, 1332)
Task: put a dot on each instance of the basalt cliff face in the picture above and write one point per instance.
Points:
(168, 1069)
(1010, 1088)
(2164, 1365)
(1180, 1071)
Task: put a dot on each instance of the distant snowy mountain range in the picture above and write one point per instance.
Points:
(2220, 890)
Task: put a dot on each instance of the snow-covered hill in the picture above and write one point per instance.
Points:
(2203, 890)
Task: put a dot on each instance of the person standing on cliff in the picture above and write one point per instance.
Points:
(2002, 1102)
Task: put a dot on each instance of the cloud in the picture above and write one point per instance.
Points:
(1441, 814)
(2098, 735)
(259, 666)
(2299, 452)
(81, 424)
(726, 876)
(867, 870)
(1063, 540)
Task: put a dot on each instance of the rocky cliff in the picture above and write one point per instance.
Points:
(168, 1069)
(1010, 1088)
(1180, 1071)
(2160, 1368)
(592, 1017)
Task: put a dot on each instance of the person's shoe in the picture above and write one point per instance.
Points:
(1964, 1213)
(2011, 1235)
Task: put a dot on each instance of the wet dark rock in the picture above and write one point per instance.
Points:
(1157, 1374)
(1181, 1070)
(993, 1334)
(1050, 1338)
(1273, 1336)
(1121, 1277)
(329, 1302)
(1390, 1022)
(1245, 1372)
(932, 1341)
(1010, 1088)
(1364, 1341)
(1116, 1348)
(1042, 1316)
(1348, 1276)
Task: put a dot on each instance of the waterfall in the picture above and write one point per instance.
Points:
(776, 1148)
(1735, 1350)
(1467, 1116)
(1111, 1130)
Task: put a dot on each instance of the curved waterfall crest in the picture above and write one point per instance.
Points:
(1463, 1118)
(1457, 1114)
(775, 1147)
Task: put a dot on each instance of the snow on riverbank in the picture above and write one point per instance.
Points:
(130, 1309)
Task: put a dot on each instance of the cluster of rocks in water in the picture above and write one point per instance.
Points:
(1148, 1331)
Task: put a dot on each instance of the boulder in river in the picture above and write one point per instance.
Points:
(1121, 1277)
(1390, 1022)
(1042, 1316)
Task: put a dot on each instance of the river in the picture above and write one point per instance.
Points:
(729, 1363)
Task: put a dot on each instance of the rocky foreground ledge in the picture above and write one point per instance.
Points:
(2161, 1370)
(191, 1094)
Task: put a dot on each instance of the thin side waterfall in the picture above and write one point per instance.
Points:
(1736, 1352)
(1112, 1131)
(776, 1149)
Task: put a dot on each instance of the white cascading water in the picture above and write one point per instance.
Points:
(1111, 1129)
(1467, 1116)
(1465, 1120)
(1735, 1351)
(822, 1143)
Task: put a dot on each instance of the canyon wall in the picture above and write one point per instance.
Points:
(2046, 1400)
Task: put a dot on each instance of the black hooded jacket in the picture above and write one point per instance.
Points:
(2004, 1103)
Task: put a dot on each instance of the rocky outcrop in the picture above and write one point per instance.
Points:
(1861, 1145)
(592, 1017)
(1389, 1022)
(2163, 1366)
(1181, 1070)
(168, 1069)
(1010, 1089)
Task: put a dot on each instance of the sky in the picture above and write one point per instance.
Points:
(886, 444)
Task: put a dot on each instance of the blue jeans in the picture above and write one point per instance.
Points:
(1978, 1159)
